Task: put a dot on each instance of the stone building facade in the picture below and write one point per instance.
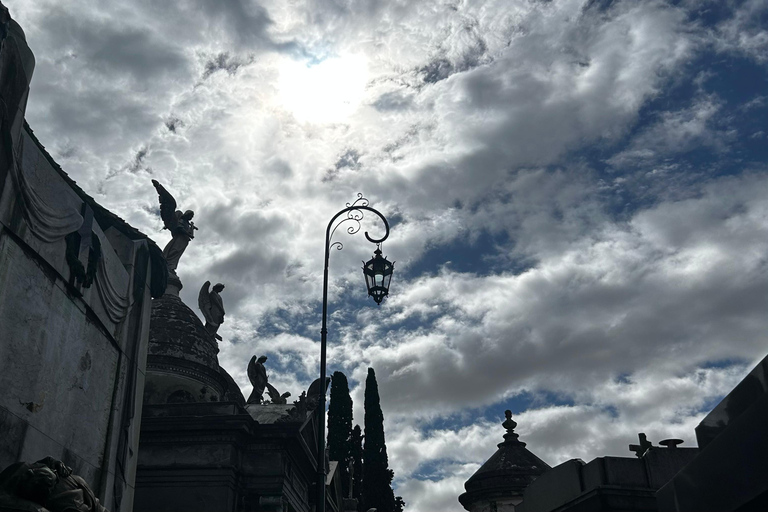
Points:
(607, 484)
(75, 297)
(730, 472)
(202, 446)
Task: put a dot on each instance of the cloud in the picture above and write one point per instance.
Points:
(742, 33)
(576, 196)
(675, 132)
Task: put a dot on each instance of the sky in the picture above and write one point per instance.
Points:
(577, 194)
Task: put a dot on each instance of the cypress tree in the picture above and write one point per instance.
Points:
(340, 427)
(357, 458)
(377, 477)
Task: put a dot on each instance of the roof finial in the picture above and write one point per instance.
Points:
(510, 437)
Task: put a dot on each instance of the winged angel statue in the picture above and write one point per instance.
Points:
(257, 374)
(210, 303)
(179, 224)
(275, 396)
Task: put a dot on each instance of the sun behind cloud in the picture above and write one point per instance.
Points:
(326, 92)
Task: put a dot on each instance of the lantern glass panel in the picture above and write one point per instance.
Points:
(387, 280)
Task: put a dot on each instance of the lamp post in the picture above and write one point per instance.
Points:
(378, 273)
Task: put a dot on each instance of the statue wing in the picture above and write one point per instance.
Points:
(252, 371)
(167, 207)
(274, 394)
(204, 302)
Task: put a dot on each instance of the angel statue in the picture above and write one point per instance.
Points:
(212, 307)
(179, 224)
(275, 396)
(257, 374)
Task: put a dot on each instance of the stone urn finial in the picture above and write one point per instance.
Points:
(510, 437)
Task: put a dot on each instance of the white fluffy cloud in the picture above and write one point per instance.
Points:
(578, 216)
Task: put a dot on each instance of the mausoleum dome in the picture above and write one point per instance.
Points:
(176, 331)
(500, 482)
(181, 363)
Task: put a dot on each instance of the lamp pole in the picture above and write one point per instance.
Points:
(354, 214)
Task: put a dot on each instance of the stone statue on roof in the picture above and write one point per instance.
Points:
(275, 397)
(257, 374)
(178, 223)
(212, 307)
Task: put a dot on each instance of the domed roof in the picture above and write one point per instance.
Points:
(507, 473)
(176, 331)
(181, 360)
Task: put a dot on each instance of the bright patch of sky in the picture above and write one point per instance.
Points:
(577, 190)
(324, 92)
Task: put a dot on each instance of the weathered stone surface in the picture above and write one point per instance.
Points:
(176, 331)
(181, 362)
(59, 374)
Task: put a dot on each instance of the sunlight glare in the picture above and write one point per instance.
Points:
(326, 92)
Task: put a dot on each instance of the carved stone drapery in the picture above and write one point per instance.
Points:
(115, 302)
(46, 222)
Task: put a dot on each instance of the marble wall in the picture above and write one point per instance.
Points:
(73, 340)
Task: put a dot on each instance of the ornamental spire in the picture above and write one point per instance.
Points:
(510, 437)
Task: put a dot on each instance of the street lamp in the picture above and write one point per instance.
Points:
(378, 273)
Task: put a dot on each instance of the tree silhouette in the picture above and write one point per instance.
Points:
(377, 492)
(340, 427)
(357, 458)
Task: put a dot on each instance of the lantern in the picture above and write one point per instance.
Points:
(378, 273)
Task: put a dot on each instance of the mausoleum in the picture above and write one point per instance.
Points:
(499, 484)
